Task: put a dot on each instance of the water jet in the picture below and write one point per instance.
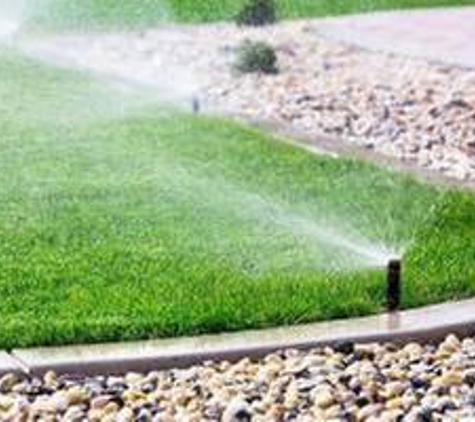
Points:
(8, 28)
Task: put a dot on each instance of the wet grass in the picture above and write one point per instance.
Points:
(119, 220)
(67, 14)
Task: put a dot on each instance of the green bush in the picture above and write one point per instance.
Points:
(257, 13)
(256, 57)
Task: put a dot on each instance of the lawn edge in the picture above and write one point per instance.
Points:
(427, 324)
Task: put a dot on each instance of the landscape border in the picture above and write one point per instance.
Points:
(427, 324)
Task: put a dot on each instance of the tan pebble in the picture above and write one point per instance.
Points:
(453, 340)
(7, 382)
(333, 413)
(222, 396)
(111, 408)
(76, 395)
(378, 418)
(318, 414)
(100, 402)
(193, 405)
(429, 400)
(273, 358)
(394, 404)
(168, 417)
(396, 373)
(448, 379)
(95, 415)
(314, 361)
(224, 366)
(44, 406)
(112, 417)
(346, 396)
(125, 415)
(272, 369)
(371, 387)
(369, 411)
(448, 347)
(134, 396)
(414, 351)
(242, 365)
(262, 418)
(408, 401)
(323, 398)
(292, 398)
(275, 412)
(194, 417)
(293, 367)
(236, 370)
(158, 396)
(393, 389)
(6, 403)
(468, 344)
(73, 414)
(182, 397)
(134, 378)
(335, 361)
(50, 379)
(307, 418)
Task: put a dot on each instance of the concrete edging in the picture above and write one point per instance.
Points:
(425, 324)
(9, 364)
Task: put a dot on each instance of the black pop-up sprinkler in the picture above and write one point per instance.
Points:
(393, 294)
(195, 105)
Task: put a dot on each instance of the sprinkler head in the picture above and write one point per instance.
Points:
(393, 294)
(195, 105)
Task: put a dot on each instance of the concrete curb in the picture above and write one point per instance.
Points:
(9, 364)
(427, 324)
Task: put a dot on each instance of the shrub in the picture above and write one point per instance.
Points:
(256, 57)
(257, 13)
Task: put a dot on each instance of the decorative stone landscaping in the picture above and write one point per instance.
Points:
(347, 383)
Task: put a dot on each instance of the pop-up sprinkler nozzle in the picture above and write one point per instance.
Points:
(393, 294)
(195, 104)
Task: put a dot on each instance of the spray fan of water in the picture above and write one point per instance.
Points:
(351, 249)
(12, 14)
(277, 231)
(8, 28)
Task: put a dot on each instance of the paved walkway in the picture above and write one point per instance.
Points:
(439, 34)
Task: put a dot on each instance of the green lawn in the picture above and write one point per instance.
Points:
(99, 13)
(119, 220)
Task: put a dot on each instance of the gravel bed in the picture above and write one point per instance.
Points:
(419, 112)
(347, 383)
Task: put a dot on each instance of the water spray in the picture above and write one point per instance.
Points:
(12, 14)
(393, 293)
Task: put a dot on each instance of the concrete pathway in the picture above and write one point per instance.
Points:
(445, 35)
